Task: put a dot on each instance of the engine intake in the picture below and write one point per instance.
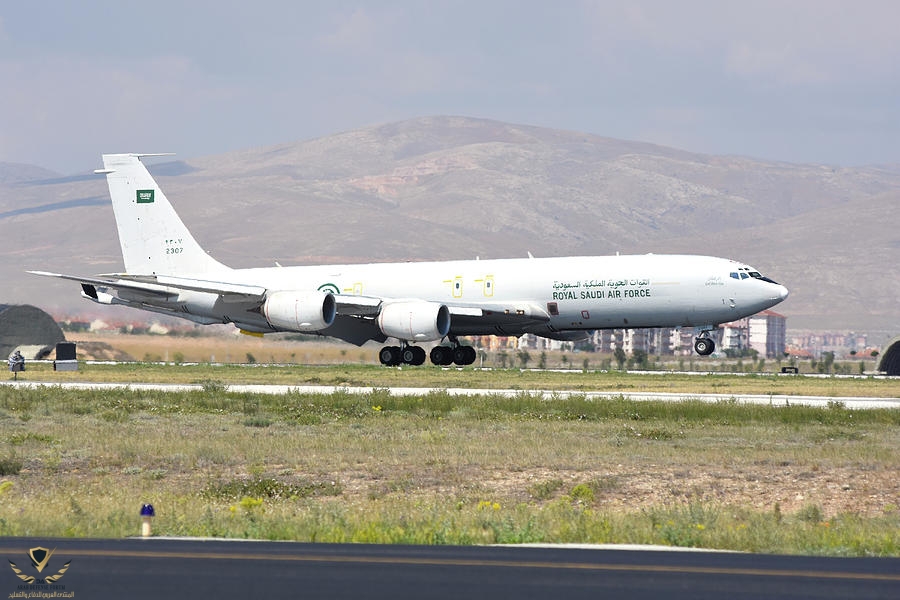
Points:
(414, 320)
(299, 311)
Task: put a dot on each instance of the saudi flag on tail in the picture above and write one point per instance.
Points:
(145, 196)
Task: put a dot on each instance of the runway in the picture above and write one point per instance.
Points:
(853, 402)
(168, 568)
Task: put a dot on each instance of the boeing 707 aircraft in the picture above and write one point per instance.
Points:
(564, 298)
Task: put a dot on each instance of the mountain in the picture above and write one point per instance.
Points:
(455, 187)
(11, 173)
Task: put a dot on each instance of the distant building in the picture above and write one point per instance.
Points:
(655, 341)
(493, 343)
(735, 336)
(606, 340)
(764, 332)
(768, 333)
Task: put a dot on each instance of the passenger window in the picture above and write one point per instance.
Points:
(553, 309)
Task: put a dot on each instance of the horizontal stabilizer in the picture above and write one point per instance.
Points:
(166, 286)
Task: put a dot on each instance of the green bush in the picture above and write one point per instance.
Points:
(10, 466)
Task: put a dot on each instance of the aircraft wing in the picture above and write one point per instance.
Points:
(502, 318)
(355, 321)
(358, 306)
(369, 306)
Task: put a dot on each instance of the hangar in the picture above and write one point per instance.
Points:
(29, 329)
(890, 358)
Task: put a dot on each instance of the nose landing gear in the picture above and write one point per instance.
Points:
(704, 345)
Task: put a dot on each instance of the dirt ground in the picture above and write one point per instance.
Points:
(843, 490)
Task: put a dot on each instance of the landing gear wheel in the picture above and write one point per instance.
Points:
(704, 346)
(471, 355)
(413, 355)
(459, 355)
(442, 355)
(464, 355)
(419, 356)
(407, 355)
(389, 356)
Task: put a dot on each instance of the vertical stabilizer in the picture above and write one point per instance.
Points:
(154, 240)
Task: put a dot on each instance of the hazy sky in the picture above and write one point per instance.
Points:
(795, 80)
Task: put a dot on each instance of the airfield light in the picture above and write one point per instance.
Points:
(147, 513)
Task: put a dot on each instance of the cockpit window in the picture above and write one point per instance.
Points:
(747, 273)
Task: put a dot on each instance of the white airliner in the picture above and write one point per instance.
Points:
(166, 271)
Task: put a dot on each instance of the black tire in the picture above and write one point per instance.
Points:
(459, 355)
(389, 356)
(418, 356)
(442, 355)
(437, 355)
(408, 355)
(704, 346)
(465, 355)
(473, 355)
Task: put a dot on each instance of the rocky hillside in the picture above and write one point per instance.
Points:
(453, 187)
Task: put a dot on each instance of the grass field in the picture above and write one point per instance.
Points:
(436, 377)
(439, 469)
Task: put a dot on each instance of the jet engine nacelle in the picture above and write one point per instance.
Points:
(414, 320)
(299, 311)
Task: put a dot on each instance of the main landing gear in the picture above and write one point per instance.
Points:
(703, 344)
(454, 353)
(447, 355)
(392, 356)
(405, 354)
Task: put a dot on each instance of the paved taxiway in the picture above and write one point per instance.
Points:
(167, 568)
(856, 402)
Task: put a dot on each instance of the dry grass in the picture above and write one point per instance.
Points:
(449, 470)
(443, 378)
(228, 346)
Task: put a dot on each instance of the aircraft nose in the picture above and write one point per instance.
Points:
(782, 292)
